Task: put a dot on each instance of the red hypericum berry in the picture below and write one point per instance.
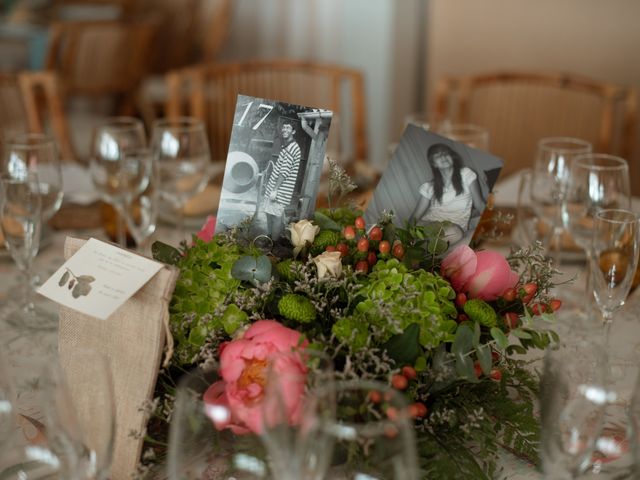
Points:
(398, 251)
(530, 290)
(372, 258)
(384, 246)
(495, 374)
(375, 396)
(362, 266)
(392, 413)
(477, 369)
(510, 294)
(461, 299)
(538, 308)
(343, 248)
(462, 317)
(363, 244)
(375, 234)
(330, 248)
(511, 319)
(555, 304)
(418, 410)
(495, 356)
(360, 223)
(409, 372)
(399, 382)
(349, 232)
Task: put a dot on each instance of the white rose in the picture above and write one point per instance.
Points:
(328, 264)
(302, 234)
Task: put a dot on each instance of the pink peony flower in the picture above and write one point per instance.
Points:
(235, 402)
(485, 274)
(208, 229)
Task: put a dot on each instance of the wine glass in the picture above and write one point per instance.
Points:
(572, 406)
(613, 259)
(372, 432)
(89, 381)
(548, 180)
(199, 444)
(111, 140)
(472, 135)
(37, 152)
(140, 201)
(181, 152)
(596, 181)
(21, 223)
(299, 400)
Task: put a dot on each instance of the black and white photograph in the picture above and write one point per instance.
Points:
(275, 159)
(435, 179)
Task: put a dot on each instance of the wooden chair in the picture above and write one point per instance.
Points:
(33, 102)
(519, 108)
(208, 91)
(101, 58)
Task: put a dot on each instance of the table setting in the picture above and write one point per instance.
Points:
(373, 341)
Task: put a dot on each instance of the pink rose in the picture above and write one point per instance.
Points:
(208, 229)
(484, 274)
(235, 402)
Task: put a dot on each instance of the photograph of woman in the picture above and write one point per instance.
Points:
(435, 179)
(453, 193)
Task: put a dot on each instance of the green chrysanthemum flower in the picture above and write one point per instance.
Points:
(480, 311)
(285, 270)
(323, 240)
(297, 307)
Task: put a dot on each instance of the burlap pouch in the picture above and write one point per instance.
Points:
(133, 338)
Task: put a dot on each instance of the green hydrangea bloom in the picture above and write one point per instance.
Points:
(480, 311)
(297, 308)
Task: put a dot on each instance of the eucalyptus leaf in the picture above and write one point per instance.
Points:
(484, 358)
(165, 253)
(520, 333)
(252, 269)
(500, 338)
(463, 341)
(464, 368)
(476, 334)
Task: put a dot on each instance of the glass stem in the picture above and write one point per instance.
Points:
(27, 290)
(180, 223)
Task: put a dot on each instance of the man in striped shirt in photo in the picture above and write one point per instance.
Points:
(282, 182)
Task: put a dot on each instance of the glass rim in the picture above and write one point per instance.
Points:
(631, 217)
(587, 159)
(183, 123)
(581, 146)
(23, 141)
(120, 123)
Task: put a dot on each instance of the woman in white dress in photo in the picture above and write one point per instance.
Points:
(451, 195)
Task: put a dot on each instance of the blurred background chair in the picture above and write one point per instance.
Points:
(33, 102)
(208, 91)
(519, 108)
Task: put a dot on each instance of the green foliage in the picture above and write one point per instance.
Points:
(404, 348)
(323, 240)
(287, 270)
(203, 288)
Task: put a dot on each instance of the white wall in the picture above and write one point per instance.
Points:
(595, 38)
(375, 36)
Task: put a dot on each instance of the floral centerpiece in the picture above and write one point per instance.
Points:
(386, 304)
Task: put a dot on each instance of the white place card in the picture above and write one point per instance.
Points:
(99, 278)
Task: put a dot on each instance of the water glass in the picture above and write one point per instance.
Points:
(572, 406)
(372, 434)
(474, 136)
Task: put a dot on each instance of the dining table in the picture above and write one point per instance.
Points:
(18, 343)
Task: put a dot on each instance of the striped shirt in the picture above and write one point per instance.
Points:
(286, 166)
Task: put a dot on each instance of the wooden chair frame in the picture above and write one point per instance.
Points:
(187, 91)
(613, 97)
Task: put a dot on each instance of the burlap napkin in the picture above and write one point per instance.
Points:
(133, 338)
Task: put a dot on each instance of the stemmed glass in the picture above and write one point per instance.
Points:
(548, 181)
(613, 259)
(596, 181)
(572, 407)
(181, 152)
(114, 179)
(21, 222)
(372, 432)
